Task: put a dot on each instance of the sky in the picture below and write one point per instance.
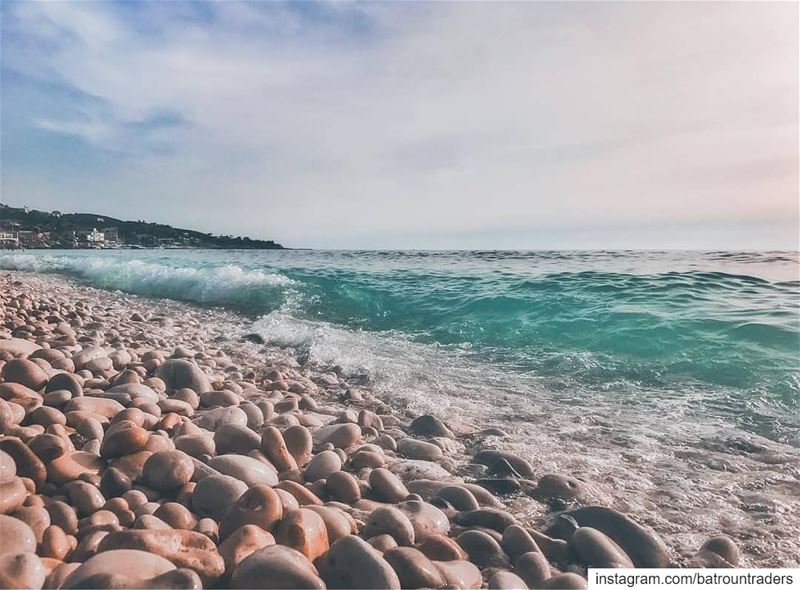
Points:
(411, 125)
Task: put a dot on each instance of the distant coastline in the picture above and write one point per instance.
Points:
(25, 228)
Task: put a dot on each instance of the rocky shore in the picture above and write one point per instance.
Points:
(143, 446)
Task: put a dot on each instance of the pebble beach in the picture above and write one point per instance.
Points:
(153, 444)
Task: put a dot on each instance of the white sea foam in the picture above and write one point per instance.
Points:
(224, 284)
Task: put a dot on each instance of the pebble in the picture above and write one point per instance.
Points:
(643, 547)
(597, 550)
(184, 549)
(246, 469)
(167, 470)
(305, 531)
(390, 521)
(260, 505)
(353, 563)
(277, 567)
(17, 537)
(322, 466)
(413, 568)
(214, 494)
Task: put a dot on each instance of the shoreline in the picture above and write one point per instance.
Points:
(312, 397)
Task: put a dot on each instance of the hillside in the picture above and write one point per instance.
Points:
(23, 227)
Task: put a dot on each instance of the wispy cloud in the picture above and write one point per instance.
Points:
(356, 124)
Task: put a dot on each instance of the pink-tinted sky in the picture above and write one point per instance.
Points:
(396, 125)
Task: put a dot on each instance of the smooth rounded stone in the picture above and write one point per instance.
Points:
(342, 486)
(483, 549)
(88, 354)
(179, 373)
(215, 417)
(188, 396)
(246, 469)
(640, 544)
(391, 521)
(595, 549)
(413, 568)
(459, 497)
(86, 498)
(18, 346)
(441, 548)
(124, 438)
(55, 543)
(370, 459)
(242, 542)
(48, 447)
(184, 549)
(63, 515)
(26, 462)
(303, 530)
(490, 518)
(566, 581)
(322, 465)
(223, 398)
(8, 468)
(176, 515)
(35, 517)
(24, 372)
(65, 382)
(533, 568)
(100, 365)
(288, 501)
(57, 398)
(232, 438)
(276, 567)
(128, 564)
(516, 541)
(303, 495)
(215, 494)
(260, 505)
(274, 446)
(299, 443)
(195, 445)
(136, 391)
(132, 464)
(167, 470)
(386, 486)
(382, 542)
(95, 405)
(552, 486)
(21, 570)
(505, 580)
(426, 519)
(351, 562)
(498, 461)
(90, 429)
(150, 522)
(459, 575)
(386, 442)
(418, 449)
(12, 495)
(47, 416)
(413, 469)
(70, 466)
(340, 436)
(429, 426)
(720, 551)
(338, 523)
(17, 536)
(255, 418)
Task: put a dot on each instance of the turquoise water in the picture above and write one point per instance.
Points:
(709, 336)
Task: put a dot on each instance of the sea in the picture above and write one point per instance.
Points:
(668, 381)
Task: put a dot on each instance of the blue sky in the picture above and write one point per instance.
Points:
(399, 125)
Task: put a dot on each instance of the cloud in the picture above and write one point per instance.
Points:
(356, 124)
